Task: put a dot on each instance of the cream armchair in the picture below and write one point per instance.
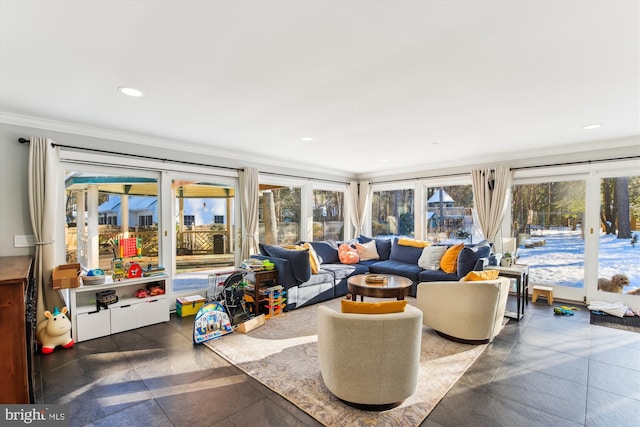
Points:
(469, 312)
(370, 361)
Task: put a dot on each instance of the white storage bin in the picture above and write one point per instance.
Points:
(92, 325)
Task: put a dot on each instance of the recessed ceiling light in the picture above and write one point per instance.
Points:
(130, 91)
(593, 126)
(306, 139)
(385, 160)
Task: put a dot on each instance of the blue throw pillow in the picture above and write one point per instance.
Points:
(298, 260)
(327, 253)
(468, 257)
(406, 254)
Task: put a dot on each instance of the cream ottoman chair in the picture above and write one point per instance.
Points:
(370, 361)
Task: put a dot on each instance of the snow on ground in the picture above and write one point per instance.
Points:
(561, 260)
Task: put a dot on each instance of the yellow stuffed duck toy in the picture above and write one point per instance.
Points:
(54, 331)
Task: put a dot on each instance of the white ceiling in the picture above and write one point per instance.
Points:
(422, 84)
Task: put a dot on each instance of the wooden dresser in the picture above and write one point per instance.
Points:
(17, 329)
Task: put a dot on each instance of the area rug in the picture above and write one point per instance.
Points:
(626, 323)
(283, 355)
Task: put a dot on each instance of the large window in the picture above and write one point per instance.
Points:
(328, 215)
(547, 220)
(449, 214)
(280, 214)
(619, 235)
(101, 209)
(392, 213)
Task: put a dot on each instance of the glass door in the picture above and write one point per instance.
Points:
(619, 235)
(547, 221)
(204, 219)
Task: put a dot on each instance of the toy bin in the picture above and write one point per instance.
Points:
(189, 306)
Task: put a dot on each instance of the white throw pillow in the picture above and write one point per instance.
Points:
(367, 251)
(430, 258)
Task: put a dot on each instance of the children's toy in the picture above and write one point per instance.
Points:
(154, 290)
(142, 293)
(135, 270)
(567, 311)
(117, 268)
(55, 331)
(211, 322)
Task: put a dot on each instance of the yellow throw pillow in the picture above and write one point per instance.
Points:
(405, 241)
(449, 260)
(474, 276)
(381, 307)
(313, 258)
(367, 251)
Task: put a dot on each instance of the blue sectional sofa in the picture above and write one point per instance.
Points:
(304, 288)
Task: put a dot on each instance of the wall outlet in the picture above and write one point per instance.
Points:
(24, 241)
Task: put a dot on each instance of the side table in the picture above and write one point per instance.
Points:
(260, 280)
(520, 272)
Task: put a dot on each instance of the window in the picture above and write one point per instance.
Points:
(279, 215)
(392, 213)
(218, 219)
(547, 222)
(328, 215)
(449, 216)
(145, 220)
(102, 207)
(189, 220)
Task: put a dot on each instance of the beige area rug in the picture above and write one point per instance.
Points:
(283, 355)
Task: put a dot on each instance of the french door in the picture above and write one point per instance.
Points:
(575, 229)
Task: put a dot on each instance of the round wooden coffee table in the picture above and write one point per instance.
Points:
(393, 287)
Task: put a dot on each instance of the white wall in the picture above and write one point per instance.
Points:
(14, 202)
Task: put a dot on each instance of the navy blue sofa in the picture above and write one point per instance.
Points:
(304, 288)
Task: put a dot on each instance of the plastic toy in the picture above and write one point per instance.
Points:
(154, 290)
(142, 293)
(567, 311)
(117, 267)
(134, 270)
(55, 331)
(211, 322)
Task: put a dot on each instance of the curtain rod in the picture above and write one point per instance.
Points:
(303, 177)
(516, 169)
(23, 141)
(115, 153)
(582, 162)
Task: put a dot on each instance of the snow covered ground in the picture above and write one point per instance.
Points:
(561, 260)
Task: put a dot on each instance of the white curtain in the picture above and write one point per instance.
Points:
(359, 200)
(42, 184)
(249, 191)
(491, 189)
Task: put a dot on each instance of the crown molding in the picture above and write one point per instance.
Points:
(241, 158)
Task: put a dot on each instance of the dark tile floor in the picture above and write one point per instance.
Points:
(545, 370)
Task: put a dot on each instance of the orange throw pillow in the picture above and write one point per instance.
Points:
(405, 241)
(474, 276)
(449, 260)
(381, 307)
(347, 254)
